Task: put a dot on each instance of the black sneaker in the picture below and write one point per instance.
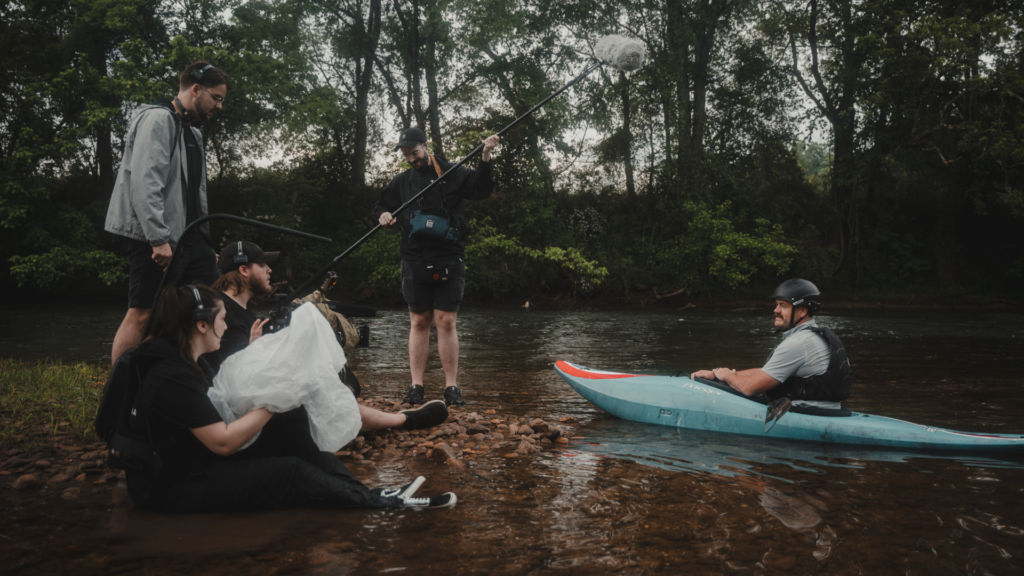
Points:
(453, 396)
(401, 491)
(446, 500)
(429, 415)
(414, 395)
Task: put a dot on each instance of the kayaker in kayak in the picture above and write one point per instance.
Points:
(809, 366)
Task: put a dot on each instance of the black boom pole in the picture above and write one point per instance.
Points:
(301, 290)
(199, 221)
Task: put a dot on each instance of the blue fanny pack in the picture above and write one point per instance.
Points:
(438, 224)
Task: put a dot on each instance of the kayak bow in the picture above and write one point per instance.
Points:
(681, 402)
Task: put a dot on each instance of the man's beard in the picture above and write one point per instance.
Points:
(260, 291)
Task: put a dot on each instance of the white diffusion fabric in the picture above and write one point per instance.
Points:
(297, 366)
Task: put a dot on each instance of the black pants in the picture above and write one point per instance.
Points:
(282, 469)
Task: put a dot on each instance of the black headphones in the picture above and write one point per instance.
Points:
(198, 73)
(200, 312)
(240, 258)
(187, 116)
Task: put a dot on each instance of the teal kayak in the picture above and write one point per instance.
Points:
(700, 405)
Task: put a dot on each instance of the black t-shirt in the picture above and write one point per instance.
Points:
(236, 337)
(193, 160)
(172, 400)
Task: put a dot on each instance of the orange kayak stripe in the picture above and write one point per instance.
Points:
(589, 375)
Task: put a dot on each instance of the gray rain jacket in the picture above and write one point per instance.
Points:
(148, 202)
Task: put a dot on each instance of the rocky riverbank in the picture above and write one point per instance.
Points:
(57, 463)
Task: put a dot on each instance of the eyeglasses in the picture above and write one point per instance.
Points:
(413, 155)
(217, 98)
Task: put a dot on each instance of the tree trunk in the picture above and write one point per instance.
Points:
(627, 138)
(370, 34)
(712, 11)
(432, 29)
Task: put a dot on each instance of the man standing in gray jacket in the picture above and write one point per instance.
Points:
(161, 189)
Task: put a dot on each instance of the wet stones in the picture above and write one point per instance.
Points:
(26, 481)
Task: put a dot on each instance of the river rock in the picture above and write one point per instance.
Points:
(14, 451)
(441, 452)
(454, 463)
(539, 425)
(497, 436)
(568, 420)
(73, 493)
(43, 464)
(108, 477)
(80, 477)
(15, 463)
(524, 430)
(523, 448)
(58, 479)
(513, 429)
(477, 429)
(26, 481)
(490, 412)
(562, 440)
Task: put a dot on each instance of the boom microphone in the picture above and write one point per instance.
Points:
(619, 52)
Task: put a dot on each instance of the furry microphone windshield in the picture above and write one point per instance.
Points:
(622, 53)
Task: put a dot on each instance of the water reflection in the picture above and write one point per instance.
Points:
(727, 455)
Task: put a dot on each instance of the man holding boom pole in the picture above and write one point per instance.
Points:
(433, 251)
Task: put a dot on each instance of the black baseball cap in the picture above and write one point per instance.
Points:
(239, 253)
(410, 138)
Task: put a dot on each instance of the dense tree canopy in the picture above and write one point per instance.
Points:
(870, 146)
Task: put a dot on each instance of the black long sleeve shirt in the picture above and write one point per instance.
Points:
(461, 184)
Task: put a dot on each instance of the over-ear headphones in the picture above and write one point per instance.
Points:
(187, 116)
(240, 258)
(198, 73)
(200, 312)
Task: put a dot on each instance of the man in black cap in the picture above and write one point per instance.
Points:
(433, 250)
(245, 276)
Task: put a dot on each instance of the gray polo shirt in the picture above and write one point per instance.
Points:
(801, 353)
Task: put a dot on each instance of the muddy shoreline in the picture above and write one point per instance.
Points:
(62, 465)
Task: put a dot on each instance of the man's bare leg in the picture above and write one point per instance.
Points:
(129, 334)
(419, 344)
(377, 420)
(447, 345)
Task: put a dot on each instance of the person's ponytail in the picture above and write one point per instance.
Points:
(172, 317)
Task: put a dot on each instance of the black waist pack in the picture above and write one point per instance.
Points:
(437, 272)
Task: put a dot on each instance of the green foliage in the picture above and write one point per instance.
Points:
(711, 255)
(61, 398)
(500, 265)
(912, 176)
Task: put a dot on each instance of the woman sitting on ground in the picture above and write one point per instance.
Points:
(201, 468)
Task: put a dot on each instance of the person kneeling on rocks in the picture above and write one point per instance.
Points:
(198, 465)
(245, 276)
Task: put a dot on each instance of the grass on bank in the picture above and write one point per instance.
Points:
(44, 401)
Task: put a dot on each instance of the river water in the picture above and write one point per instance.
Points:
(623, 497)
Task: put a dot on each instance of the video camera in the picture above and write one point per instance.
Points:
(281, 318)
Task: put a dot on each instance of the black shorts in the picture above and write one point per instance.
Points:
(423, 294)
(196, 263)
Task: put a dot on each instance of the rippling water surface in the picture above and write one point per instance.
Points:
(623, 498)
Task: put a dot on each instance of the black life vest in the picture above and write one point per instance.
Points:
(832, 386)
